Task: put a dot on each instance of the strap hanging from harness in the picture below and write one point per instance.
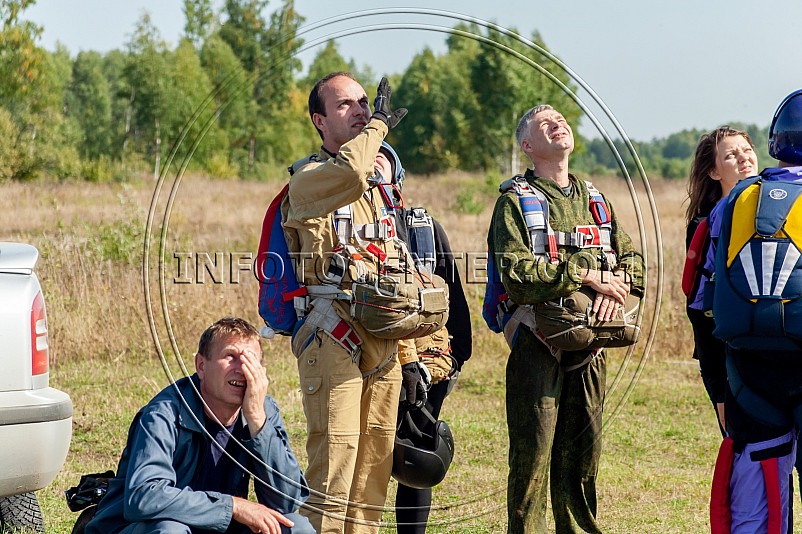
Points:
(343, 223)
(774, 503)
(321, 314)
(525, 316)
(722, 506)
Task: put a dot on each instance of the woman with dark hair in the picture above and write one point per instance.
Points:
(723, 158)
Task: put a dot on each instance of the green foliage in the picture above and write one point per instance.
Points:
(9, 155)
(146, 72)
(466, 201)
(108, 117)
(326, 61)
(464, 106)
(266, 52)
(20, 58)
(192, 85)
(244, 31)
(668, 157)
(120, 241)
(473, 197)
(88, 100)
(97, 170)
(424, 141)
(233, 92)
(438, 134)
(200, 19)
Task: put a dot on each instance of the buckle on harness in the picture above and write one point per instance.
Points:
(382, 230)
(588, 236)
(345, 335)
(506, 305)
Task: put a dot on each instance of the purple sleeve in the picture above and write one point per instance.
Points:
(714, 222)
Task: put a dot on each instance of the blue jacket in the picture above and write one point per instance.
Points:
(165, 447)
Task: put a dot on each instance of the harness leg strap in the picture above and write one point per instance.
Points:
(773, 499)
(324, 316)
(720, 513)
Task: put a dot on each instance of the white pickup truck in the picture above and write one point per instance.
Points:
(35, 419)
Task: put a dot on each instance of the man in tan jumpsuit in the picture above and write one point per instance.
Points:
(350, 379)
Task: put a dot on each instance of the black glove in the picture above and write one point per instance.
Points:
(381, 106)
(413, 384)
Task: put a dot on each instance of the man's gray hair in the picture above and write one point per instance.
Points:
(523, 125)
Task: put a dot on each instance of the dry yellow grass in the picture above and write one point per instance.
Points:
(660, 446)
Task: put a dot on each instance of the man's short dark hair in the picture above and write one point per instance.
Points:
(316, 104)
(227, 326)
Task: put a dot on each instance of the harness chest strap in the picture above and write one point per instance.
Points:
(544, 239)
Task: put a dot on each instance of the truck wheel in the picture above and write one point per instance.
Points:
(20, 512)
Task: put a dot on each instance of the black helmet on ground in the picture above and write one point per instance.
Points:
(421, 457)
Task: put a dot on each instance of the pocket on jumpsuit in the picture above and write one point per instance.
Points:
(306, 348)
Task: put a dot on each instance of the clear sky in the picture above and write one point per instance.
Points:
(659, 66)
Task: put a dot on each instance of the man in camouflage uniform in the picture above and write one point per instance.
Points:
(554, 408)
(350, 379)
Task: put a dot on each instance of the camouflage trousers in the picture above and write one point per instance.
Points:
(555, 422)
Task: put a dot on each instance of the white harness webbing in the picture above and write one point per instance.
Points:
(317, 304)
(544, 239)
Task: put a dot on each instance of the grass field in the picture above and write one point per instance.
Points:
(660, 433)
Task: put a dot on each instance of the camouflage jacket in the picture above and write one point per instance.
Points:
(529, 280)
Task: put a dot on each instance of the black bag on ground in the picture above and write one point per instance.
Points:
(86, 496)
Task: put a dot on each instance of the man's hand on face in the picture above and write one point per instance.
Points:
(259, 518)
(381, 106)
(253, 404)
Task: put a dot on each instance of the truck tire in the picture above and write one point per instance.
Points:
(21, 512)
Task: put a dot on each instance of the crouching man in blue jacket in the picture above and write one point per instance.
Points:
(191, 451)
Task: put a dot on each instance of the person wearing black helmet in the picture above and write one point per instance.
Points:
(753, 484)
(424, 446)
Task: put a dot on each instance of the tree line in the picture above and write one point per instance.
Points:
(230, 98)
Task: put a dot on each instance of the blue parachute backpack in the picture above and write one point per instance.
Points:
(496, 306)
(278, 286)
(757, 301)
(494, 309)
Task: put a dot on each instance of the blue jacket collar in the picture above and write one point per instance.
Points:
(190, 411)
(782, 173)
